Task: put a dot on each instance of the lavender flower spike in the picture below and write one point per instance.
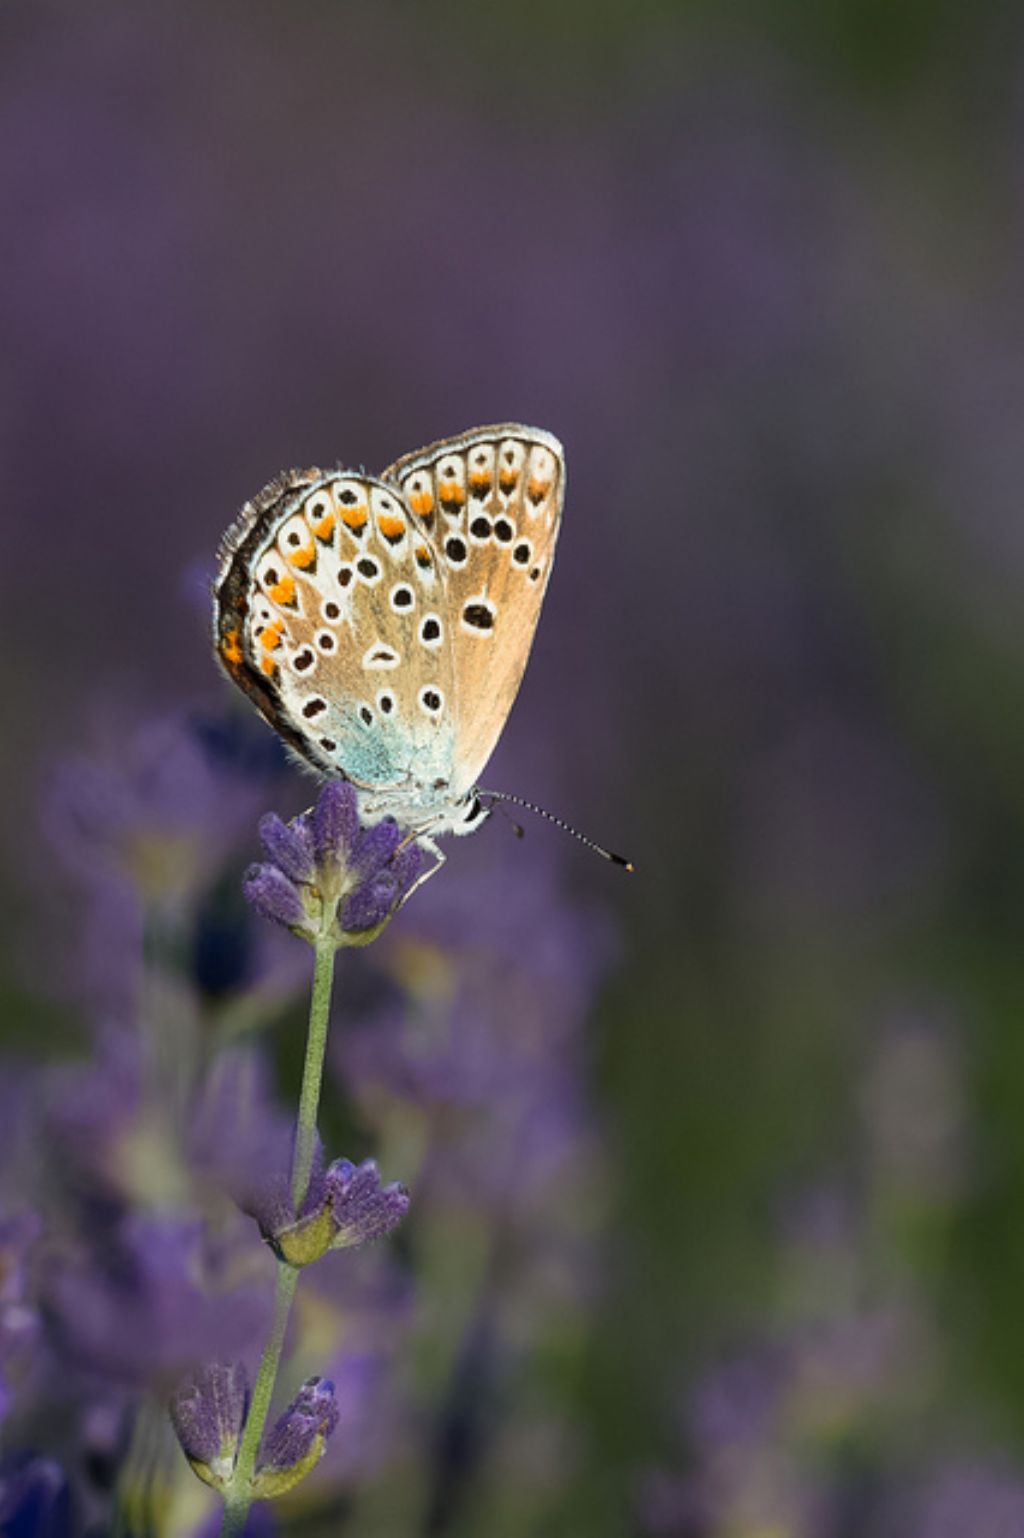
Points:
(208, 1412)
(297, 1442)
(325, 877)
(347, 1206)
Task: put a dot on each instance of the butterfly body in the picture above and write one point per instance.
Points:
(381, 624)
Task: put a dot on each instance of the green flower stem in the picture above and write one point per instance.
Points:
(238, 1499)
(313, 1072)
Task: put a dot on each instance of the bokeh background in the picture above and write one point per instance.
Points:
(759, 268)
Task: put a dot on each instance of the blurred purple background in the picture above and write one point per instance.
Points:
(762, 278)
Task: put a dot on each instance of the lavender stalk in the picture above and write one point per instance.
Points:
(332, 883)
(239, 1497)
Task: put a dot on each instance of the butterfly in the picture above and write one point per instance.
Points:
(382, 624)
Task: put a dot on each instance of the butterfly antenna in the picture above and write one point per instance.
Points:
(559, 822)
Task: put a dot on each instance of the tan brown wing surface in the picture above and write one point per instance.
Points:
(331, 613)
(492, 500)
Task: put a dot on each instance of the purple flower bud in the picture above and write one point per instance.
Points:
(297, 1442)
(407, 865)
(371, 905)
(328, 878)
(389, 868)
(346, 1206)
(376, 847)
(335, 823)
(274, 896)
(289, 846)
(362, 1209)
(208, 1412)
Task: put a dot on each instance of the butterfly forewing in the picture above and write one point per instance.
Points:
(331, 615)
(490, 502)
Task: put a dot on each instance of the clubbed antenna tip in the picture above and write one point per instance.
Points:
(559, 822)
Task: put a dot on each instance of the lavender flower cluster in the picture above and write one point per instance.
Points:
(146, 1163)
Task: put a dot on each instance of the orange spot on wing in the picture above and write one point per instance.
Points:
(507, 480)
(268, 666)
(451, 491)
(390, 526)
(323, 529)
(422, 503)
(270, 639)
(537, 489)
(303, 557)
(230, 648)
(354, 517)
(283, 591)
(422, 555)
(480, 480)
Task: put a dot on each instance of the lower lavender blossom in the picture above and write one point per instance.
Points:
(346, 1207)
(208, 1413)
(297, 1442)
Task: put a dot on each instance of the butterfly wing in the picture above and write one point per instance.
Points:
(491, 501)
(330, 614)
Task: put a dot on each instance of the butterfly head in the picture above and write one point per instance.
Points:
(428, 811)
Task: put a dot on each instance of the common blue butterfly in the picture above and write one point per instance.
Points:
(381, 624)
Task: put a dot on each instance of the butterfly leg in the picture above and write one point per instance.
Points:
(440, 859)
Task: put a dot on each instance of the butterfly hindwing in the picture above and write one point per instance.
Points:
(491, 501)
(331, 615)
